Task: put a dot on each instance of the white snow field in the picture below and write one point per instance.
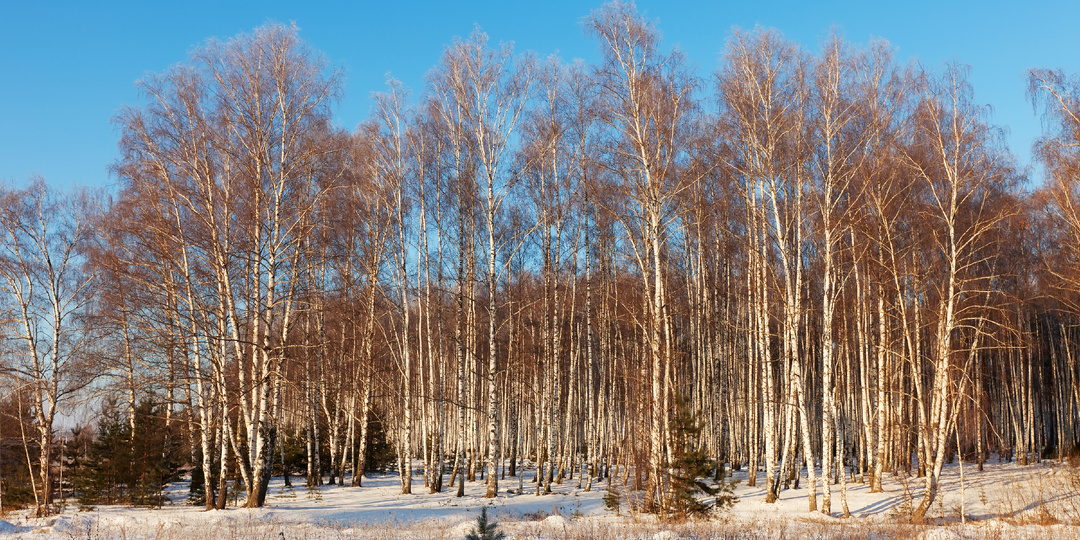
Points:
(1005, 500)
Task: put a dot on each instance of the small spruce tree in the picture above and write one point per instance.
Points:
(121, 465)
(692, 469)
(485, 530)
(612, 499)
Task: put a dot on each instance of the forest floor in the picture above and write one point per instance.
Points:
(1005, 500)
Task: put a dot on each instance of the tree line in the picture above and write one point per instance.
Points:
(824, 264)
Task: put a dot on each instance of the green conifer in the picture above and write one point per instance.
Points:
(692, 469)
(485, 530)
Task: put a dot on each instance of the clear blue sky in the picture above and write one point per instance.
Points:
(67, 67)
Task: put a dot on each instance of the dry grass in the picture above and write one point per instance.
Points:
(1028, 503)
(88, 528)
(1050, 497)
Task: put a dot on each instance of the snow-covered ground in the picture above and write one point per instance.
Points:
(1003, 501)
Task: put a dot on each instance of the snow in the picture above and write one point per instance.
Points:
(462, 529)
(939, 534)
(1005, 500)
(556, 523)
(8, 528)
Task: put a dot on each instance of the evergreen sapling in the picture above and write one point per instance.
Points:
(485, 530)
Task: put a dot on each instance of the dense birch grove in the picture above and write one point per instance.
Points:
(826, 257)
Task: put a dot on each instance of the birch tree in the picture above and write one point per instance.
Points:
(243, 132)
(955, 156)
(45, 283)
(648, 100)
